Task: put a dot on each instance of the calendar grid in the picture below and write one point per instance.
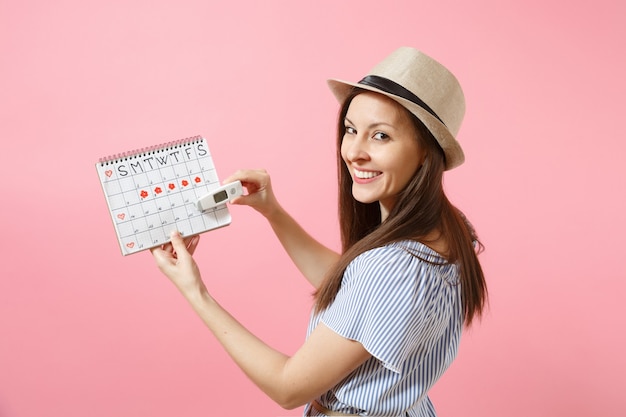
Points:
(153, 191)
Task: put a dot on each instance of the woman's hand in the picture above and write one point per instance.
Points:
(260, 195)
(175, 260)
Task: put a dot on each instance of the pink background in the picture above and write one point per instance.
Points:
(87, 332)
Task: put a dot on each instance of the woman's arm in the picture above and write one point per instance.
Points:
(311, 257)
(323, 360)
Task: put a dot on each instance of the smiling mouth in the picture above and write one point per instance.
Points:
(366, 175)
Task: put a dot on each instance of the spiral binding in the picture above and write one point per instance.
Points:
(150, 150)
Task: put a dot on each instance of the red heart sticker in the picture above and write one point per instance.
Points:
(130, 245)
(108, 172)
(121, 216)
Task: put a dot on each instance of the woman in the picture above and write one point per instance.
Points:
(390, 308)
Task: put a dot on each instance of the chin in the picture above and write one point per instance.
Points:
(364, 199)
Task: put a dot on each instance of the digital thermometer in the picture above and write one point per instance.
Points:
(220, 195)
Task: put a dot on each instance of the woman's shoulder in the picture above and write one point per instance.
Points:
(403, 259)
(402, 249)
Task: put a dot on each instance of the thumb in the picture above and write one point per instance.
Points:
(178, 244)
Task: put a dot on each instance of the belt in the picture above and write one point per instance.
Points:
(319, 407)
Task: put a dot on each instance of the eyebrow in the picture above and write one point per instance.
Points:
(371, 126)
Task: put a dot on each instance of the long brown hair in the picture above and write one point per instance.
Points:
(422, 207)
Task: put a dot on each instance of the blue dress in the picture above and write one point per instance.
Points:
(402, 302)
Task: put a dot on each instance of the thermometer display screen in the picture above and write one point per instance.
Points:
(219, 197)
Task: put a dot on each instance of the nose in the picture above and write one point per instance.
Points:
(354, 149)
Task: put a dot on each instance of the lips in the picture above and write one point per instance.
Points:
(365, 176)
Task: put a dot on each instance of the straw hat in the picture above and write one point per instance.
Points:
(424, 87)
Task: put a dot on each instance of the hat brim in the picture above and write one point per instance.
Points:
(451, 148)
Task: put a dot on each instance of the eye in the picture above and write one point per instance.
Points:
(350, 130)
(380, 136)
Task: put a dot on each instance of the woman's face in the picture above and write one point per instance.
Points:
(380, 149)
